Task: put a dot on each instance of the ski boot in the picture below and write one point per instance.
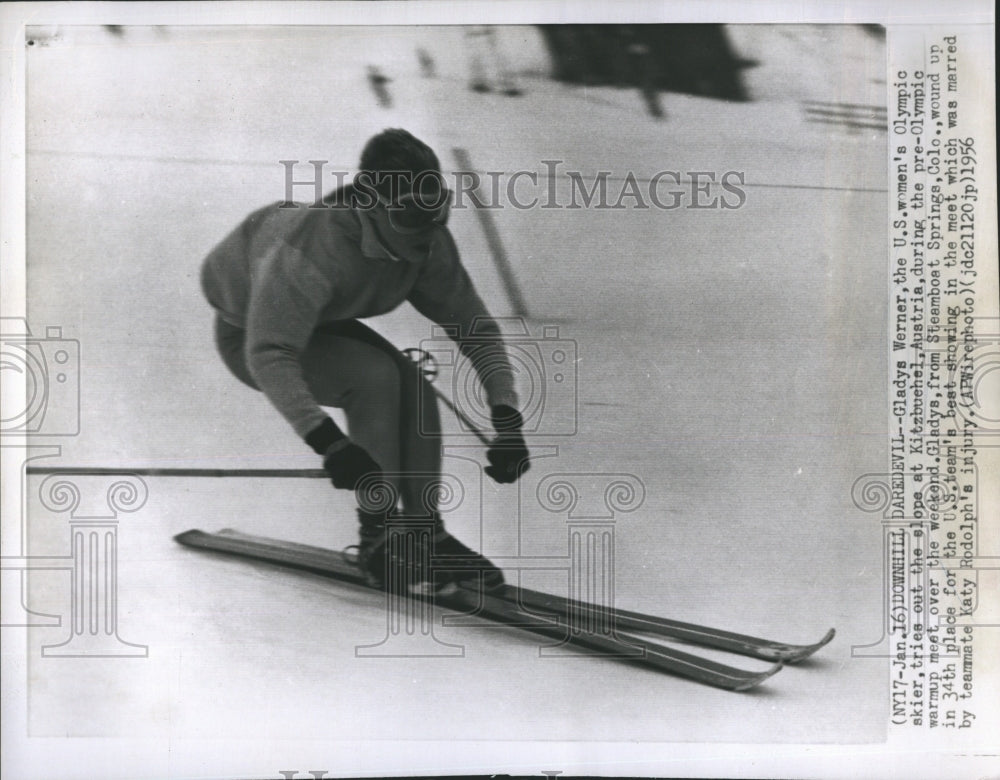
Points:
(424, 572)
(468, 567)
(398, 565)
(371, 552)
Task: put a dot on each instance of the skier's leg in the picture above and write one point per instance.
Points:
(414, 424)
(349, 374)
(391, 411)
(345, 372)
(419, 445)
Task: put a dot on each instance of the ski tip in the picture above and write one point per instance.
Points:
(795, 655)
(185, 536)
(751, 682)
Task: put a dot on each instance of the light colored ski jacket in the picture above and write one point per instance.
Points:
(285, 271)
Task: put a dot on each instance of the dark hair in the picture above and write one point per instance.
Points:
(398, 156)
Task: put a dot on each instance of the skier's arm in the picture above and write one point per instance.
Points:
(444, 293)
(284, 309)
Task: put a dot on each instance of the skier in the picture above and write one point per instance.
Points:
(288, 287)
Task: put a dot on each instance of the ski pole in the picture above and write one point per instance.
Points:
(425, 363)
(427, 366)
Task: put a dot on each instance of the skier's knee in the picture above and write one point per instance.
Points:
(378, 380)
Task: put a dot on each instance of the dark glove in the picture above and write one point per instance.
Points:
(347, 464)
(344, 461)
(508, 454)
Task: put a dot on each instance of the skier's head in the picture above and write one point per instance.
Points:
(396, 150)
(403, 175)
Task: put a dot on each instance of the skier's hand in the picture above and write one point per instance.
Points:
(344, 461)
(508, 454)
(347, 463)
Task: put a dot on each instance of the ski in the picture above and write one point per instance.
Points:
(638, 622)
(533, 601)
(503, 611)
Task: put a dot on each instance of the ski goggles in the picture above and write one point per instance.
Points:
(414, 212)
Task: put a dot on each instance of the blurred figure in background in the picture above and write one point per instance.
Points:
(488, 67)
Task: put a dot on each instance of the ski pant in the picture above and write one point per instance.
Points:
(391, 408)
